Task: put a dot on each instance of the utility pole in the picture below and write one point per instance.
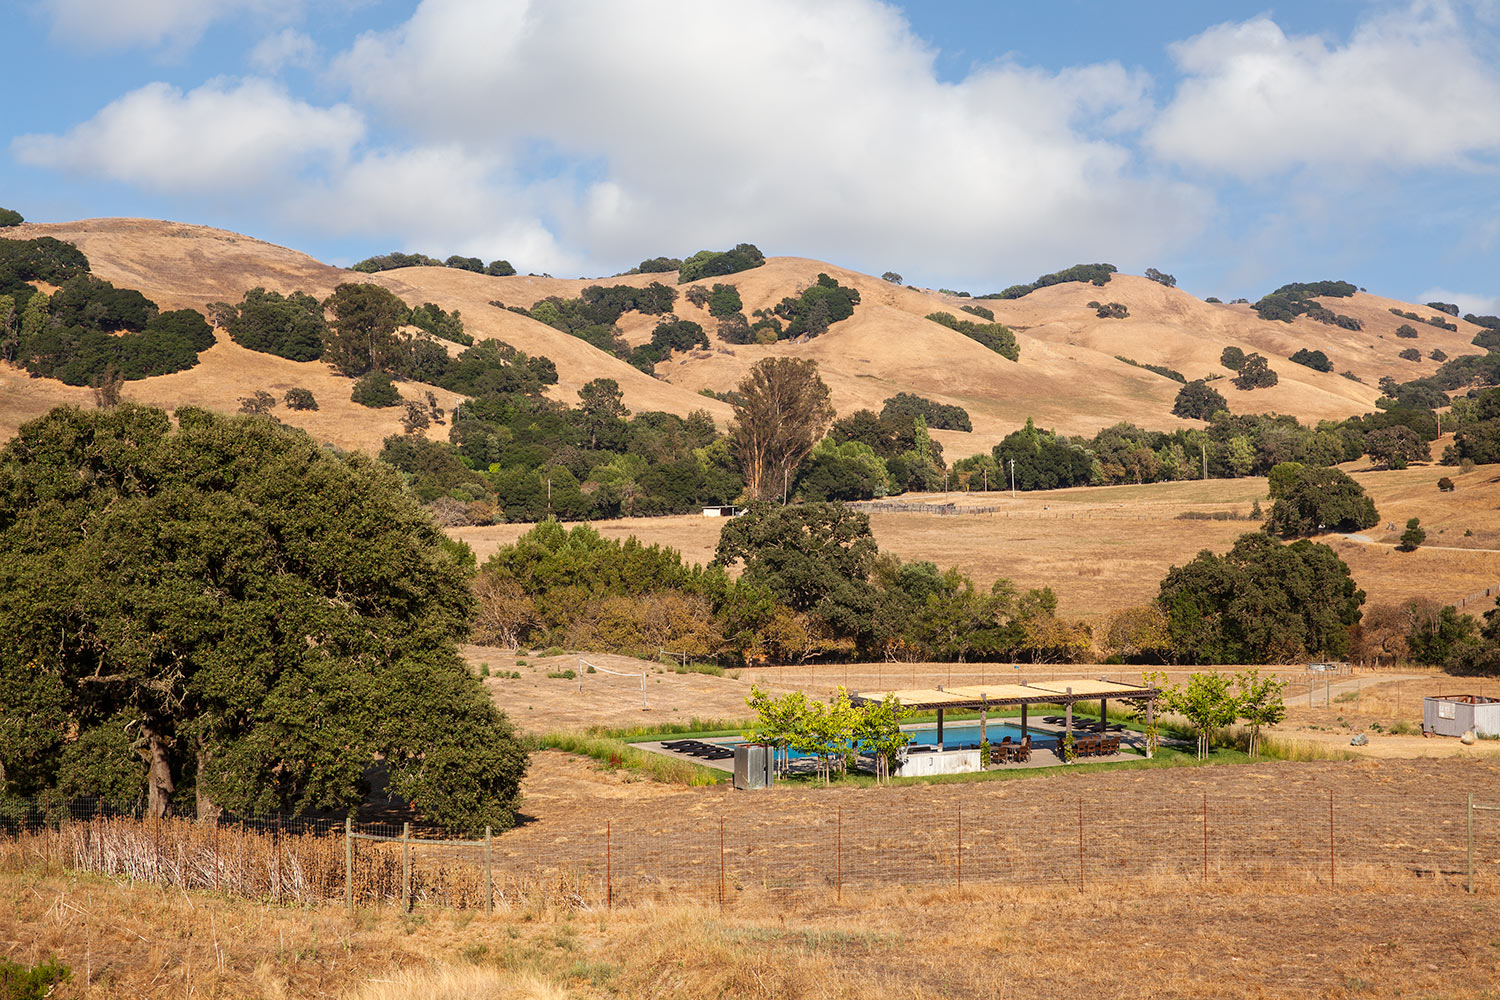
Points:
(1012, 479)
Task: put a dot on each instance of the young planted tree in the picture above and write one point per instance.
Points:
(782, 414)
(1260, 702)
(878, 730)
(1206, 704)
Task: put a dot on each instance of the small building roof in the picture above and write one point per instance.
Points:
(981, 695)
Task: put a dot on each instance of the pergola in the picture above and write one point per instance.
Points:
(1024, 694)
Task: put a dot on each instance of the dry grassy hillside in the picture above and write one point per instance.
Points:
(1067, 378)
(1104, 548)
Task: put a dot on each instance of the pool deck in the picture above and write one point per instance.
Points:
(1041, 756)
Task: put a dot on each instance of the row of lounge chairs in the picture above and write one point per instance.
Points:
(1096, 746)
(697, 748)
(1058, 720)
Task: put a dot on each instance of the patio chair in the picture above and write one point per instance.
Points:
(1022, 750)
(1001, 752)
(1114, 745)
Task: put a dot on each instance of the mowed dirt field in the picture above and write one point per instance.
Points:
(1104, 548)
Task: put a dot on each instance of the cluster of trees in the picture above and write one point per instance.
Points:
(1109, 310)
(1255, 373)
(225, 616)
(1161, 278)
(592, 316)
(10, 217)
(1293, 300)
(1231, 446)
(291, 326)
(1424, 631)
(1097, 274)
(816, 309)
(1477, 438)
(868, 455)
(1436, 321)
(1261, 602)
(391, 261)
(812, 583)
(1489, 337)
(907, 406)
(1316, 360)
(1309, 500)
(88, 331)
(997, 337)
(717, 263)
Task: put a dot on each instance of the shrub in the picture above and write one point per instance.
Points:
(298, 398)
(1445, 485)
(1351, 377)
(1413, 536)
(375, 391)
(1097, 274)
(1232, 358)
(995, 336)
(1438, 354)
(717, 263)
(979, 311)
(1213, 300)
(23, 982)
(10, 217)
(1316, 360)
(1406, 331)
(1109, 310)
(1411, 354)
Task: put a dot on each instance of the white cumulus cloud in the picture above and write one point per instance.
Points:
(126, 23)
(818, 127)
(288, 47)
(1408, 89)
(221, 137)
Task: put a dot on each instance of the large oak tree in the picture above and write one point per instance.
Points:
(227, 607)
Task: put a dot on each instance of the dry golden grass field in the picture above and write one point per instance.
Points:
(1104, 548)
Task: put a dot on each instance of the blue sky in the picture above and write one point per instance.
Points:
(963, 144)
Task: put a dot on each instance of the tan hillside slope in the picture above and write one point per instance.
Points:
(1068, 376)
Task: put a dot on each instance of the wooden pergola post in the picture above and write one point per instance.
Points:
(1067, 716)
(940, 729)
(1023, 720)
(1103, 713)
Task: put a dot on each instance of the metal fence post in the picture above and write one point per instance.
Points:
(1330, 838)
(349, 863)
(838, 848)
(1471, 842)
(489, 873)
(1080, 845)
(406, 901)
(960, 845)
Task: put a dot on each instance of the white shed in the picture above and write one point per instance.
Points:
(727, 510)
(1455, 714)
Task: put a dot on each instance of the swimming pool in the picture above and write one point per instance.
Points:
(960, 734)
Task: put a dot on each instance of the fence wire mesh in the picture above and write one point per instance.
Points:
(1022, 836)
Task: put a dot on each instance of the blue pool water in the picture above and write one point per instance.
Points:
(963, 733)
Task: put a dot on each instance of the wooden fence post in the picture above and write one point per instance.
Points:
(489, 872)
(609, 868)
(1205, 838)
(406, 900)
(1330, 838)
(1080, 845)
(839, 851)
(1471, 842)
(721, 862)
(349, 863)
(960, 845)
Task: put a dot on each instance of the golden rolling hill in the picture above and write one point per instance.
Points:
(1068, 376)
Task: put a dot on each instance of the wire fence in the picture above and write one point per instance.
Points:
(1030, 836)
